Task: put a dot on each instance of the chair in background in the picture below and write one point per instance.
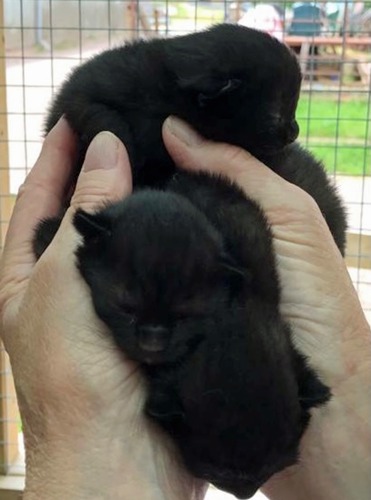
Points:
(307, 21)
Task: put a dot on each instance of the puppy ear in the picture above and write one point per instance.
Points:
(217, 90)
(194, 75)
(91, 226)
(312, 392)
(208, 88)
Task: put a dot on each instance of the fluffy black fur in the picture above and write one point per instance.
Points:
(231, 83)
(186, 281)
(184, 275)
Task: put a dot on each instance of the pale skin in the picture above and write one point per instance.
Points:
(81, 400)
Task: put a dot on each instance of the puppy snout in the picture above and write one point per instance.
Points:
(293, 131)
(153, 338)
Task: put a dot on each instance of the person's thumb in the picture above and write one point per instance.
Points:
(105, 175)
(192, 152)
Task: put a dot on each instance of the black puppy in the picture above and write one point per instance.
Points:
(231, 83)
(186, 281)
(185, 277)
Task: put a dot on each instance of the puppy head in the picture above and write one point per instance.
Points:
(157, 272)
(237, 85)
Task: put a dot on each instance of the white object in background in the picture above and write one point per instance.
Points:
(264, 17)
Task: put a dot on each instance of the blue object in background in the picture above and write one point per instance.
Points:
(307, 20)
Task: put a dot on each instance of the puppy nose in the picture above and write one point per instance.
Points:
(293, 131)
(153, 338)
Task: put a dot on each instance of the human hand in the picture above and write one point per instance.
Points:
(80, 398)
(320, 303)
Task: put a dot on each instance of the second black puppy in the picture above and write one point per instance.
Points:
(186, 281)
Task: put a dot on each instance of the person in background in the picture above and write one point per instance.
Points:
(264, 17)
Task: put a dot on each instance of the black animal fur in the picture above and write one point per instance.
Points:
(231, 83)
(184, 275)
(185, 279)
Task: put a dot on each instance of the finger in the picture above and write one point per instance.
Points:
(191, 151)
(105, 177)
(291, 212)
(307, 258)
(40, 196)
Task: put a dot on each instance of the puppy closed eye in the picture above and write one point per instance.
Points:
(126, 308)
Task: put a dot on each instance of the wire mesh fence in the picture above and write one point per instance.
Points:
(44, 39)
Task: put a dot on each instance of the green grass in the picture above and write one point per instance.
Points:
(337, 131)
(325, 113)
(344, 160)
(204, 14)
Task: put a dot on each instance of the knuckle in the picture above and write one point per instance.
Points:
(97, 187)
(90, 196)
(304, 201)
(21, 191)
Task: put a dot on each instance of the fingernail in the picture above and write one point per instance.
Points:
(102, 152)
(61, 134)
(183, 131)
(61, 123)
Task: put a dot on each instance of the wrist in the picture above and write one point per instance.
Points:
(94, 468)
(81, 464)
(99, 462)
